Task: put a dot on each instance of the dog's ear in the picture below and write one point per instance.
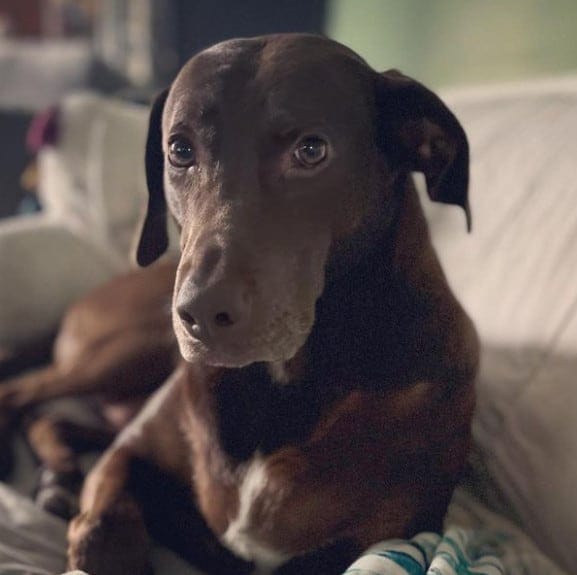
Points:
(153, 240)
(419, 133)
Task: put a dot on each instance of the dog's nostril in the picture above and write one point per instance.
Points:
(191, 324)
(186, 317)
(223, 319)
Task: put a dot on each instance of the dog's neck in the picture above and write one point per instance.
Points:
(247, 411)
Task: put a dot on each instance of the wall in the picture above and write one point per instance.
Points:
(201, 23)
(448, 42)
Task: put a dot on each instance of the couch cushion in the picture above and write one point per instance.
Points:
(94, 178)
(516, 274)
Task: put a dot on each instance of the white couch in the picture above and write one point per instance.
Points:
(92, 186)
(517, 276)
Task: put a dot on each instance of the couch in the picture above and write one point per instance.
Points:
(517, 276)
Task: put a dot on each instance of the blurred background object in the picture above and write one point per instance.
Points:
(133, 48)
(127, 48)
(454, 42)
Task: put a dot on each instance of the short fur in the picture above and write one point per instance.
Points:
(325, 396)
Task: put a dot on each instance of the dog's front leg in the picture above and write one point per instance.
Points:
(145, 476)
(108, 537)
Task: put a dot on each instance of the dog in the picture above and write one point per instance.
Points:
(115, 346)
(327, 384)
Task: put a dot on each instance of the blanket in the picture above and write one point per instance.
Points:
(456, 551)
(475, 541)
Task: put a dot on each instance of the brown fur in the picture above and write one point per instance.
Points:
(114, 347)
(327, 391)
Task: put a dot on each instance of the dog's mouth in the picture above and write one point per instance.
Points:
(277, 340)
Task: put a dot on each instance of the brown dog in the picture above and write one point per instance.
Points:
(325, 398)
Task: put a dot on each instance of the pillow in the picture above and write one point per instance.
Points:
(94, 177)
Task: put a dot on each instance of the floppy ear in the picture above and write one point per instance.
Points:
(153, 235)
(419, 133)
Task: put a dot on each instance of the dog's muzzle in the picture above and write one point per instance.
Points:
(218, 313)
(228, 325)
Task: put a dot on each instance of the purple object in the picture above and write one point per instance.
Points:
(43, 130)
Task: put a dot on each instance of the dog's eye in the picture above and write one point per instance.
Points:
(181, 153)
(311, 151)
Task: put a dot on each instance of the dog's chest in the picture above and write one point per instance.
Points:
(248, 532)
(269, 520)
(271, 491)
(299, 497)
(233, 430)
(256, 506)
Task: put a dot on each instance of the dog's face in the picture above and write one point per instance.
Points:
(275, 155)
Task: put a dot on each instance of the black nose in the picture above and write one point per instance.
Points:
(214, 311)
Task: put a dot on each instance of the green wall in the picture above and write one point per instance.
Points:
(448, 42)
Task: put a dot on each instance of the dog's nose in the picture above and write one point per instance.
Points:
(215, 311)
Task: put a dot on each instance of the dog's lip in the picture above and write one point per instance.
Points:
(219, 358)
(216, 355)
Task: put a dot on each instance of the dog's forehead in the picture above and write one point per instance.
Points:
(276, 72)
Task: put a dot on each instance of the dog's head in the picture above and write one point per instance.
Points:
(272, 154)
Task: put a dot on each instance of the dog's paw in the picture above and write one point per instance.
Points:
(57, 492)
(115, 543)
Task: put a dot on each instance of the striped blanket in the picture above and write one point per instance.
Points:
(475, 541)
(457, 552)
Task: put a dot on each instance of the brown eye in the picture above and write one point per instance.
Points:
(311, 151)
(181, 153)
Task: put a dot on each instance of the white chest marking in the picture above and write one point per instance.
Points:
(242, 533)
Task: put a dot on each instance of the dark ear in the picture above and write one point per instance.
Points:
(153, 235)
(419, 133)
